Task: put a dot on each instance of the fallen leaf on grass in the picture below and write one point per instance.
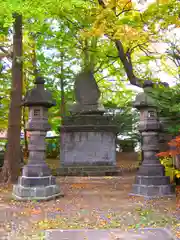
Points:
(36, 211)
(59, 209)
(51, 224)
(80, 185)
(103, 223)
(107, 177)
(178, 234)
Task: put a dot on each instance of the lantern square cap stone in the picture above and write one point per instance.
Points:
(38, 96)
(144, 99)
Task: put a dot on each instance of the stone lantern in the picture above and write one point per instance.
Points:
(150, 180)
(36, 181)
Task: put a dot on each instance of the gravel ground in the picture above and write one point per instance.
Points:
(89, 202)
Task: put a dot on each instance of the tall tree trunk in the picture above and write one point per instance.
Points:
(62, 106)
(92, 54)
(86, 60)
(34, 58)
(11, 165)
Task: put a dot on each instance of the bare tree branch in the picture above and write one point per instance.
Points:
(143, 50)
(124, 9)
(126, 61)
(111, 90)
(112, 56)
(5, 53)
(98, 69)
(102, 78)
(101, 2)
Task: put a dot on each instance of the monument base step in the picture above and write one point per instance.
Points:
(36, 192)
(92, 171)
(91, 234)
(153, 191)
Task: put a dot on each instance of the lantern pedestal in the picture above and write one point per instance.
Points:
(20, 192)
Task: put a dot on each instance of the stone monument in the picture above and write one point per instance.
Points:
(150, 180)
(36, 181)
(87, 136)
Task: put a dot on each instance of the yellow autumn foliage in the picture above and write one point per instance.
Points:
(124, 4)
(162, 1)
(126, 31)
(119, 4)
(98, 31)
(3, 38)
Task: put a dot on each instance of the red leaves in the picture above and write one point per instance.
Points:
(173, 143)
(163, 154)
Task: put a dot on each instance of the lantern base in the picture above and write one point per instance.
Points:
(44, 193)
(153, 191)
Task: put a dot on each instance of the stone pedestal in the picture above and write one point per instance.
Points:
(36, 182)
(150, 180)
(88, 140)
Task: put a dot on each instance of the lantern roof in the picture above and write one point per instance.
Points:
(143, 99)
(38, 96)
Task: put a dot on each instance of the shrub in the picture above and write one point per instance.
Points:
(166, 159)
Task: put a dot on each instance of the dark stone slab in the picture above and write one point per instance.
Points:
(91, 170)
(90, 128)
(140, 234)
(89, 123)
